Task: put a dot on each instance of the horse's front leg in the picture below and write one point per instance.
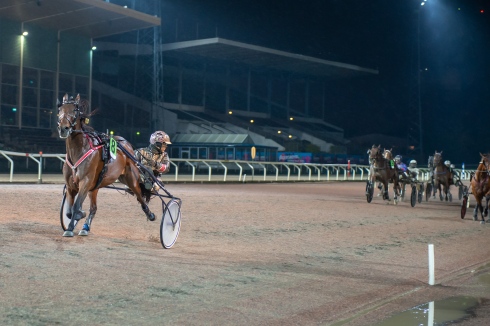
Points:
(68, 207)
(77, 213)
(92, 195)
(478, 207)
(386, 195)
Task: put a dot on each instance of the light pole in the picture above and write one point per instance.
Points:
(419, 99)
(415, 131)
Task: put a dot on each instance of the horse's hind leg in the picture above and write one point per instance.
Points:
(93, 209)
(131, 178)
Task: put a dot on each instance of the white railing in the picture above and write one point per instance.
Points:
(197, 170)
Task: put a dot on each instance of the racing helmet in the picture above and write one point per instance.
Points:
(159, 137)
(452, 166)
(413, 164)
(447, 163)
(398, 158)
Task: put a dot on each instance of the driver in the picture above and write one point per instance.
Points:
(154, 158)
(401, 166)
(412, 167)
(455, 175)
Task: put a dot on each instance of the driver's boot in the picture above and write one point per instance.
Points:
(156, 187)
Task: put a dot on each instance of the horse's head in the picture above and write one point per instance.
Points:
(387, 154)
(68, 116)
(437, 159)
(485, 160)
(374, 153)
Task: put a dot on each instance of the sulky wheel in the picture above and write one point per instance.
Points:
(64, 218)
(170, 225)
(420, 193)
(413, 196)
(369, 191)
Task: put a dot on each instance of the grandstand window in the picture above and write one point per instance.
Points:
(203, 153)
(81, 86)
(30, 77)
(47, 80)
(47, 99)
(9, 94)
(66, 85)
(29, 117)
(10, 74)
(8, 115)
(230, 153)
(29, 97)
(220, 153)
(193, 153)
(46, 118)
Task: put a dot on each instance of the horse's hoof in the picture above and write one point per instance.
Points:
(151, 217)
(482, 222)
(83, 233)
(68, 234)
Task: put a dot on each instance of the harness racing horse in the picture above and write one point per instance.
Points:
(402, 179)
(480, 187)
(88, 167)
(381, 171)
(442, 177)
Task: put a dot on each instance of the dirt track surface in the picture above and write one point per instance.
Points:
(247, 254)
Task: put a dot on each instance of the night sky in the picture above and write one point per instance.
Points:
(382, 34)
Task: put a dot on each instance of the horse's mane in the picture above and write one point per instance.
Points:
(85, 114)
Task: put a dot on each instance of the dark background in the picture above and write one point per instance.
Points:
(381, 34)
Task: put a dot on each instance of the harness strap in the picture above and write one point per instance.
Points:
(84, 156)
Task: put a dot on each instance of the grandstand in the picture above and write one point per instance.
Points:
(243, 94)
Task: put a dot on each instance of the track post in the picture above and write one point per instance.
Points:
(431, 265)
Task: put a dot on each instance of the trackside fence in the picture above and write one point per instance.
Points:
(31, 167)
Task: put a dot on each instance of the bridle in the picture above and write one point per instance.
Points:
(72, 118)
(374, 159)
(485, 163)
(437, 161)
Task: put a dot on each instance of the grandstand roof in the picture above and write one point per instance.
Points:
(253, 55)
(247, 54)
(90, 18)
(212, 138)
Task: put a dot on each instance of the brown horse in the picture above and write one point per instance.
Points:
(480, 187)
(442, 177)
(88, 167)
(381, 171)
(402, 179)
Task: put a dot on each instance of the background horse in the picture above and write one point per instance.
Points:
(381, 171)
(442, 176)
(480, 187)
(88, 167)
